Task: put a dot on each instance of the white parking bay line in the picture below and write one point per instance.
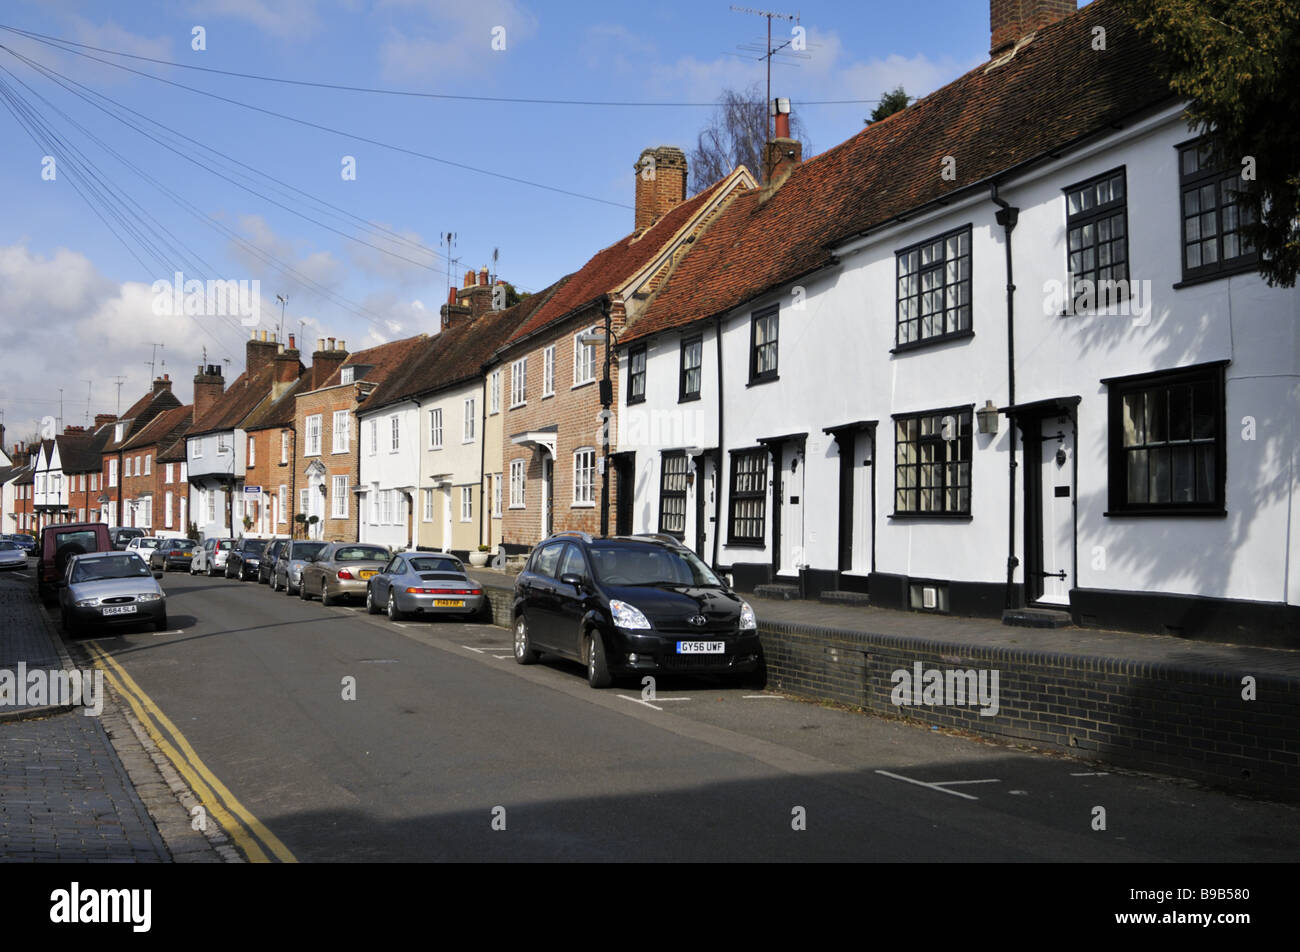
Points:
(502, 657)
(637, 700)
(1092, 774)
(941, 787)
(762, 697)
(475, 650)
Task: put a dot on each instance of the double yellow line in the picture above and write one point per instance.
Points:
(248, 832)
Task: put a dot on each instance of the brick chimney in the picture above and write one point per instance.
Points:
(208, 385)
(259, 352)
(782, 153)
(288, 364)
(325, 360)
(162, 383)
(103, 419)
(70, 430)
(660, 183)
(1012, 20)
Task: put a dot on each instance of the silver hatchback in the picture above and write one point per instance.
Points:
(102, 589)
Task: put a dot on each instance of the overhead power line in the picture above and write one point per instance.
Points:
(344, 87)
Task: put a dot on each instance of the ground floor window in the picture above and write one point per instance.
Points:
(748, 509)
(672, 494)
(932, 454)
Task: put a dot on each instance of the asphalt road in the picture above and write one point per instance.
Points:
(448, 740)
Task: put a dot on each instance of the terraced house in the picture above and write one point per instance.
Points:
(557, 402)
(63, 475)
(115, 464)
(1004, 351)
(155, 494)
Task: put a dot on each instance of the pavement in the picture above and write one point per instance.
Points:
(77, 788)
(984, 632)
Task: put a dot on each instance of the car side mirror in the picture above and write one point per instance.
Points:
(574, 579)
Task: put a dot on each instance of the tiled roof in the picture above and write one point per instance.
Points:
(79, 453)
(163, 430)
(381, 360)
(279, 412)
(609, 268)
(1056, 89)
(238, 402)
(139, 413)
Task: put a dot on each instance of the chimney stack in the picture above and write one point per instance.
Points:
(258, 353)
(660, 183)
(288, 367)
(1012, 20)
(70, 430)
(162, 383)
(782, 153)
(103, 419)
(208, 385)
(325, 361)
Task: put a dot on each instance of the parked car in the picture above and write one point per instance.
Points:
(142, 546)
(245, 558)
(110, 588)
(211, 556)
(424, 584)
(631, 606)
(172, 554)
(61, 542)
(266, 565)
(122, 536)
(341, 570)
(12, 555)
(23, 541)
(287, 575)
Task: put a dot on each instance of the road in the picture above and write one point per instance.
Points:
(450, 751)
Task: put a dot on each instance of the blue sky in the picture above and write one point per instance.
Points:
(75, 303)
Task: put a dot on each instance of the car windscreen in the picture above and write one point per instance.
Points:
(224, 545)
(306, 550)
(435, 565)
(253, 545)
(122, 566)
(650, 565)
(86, 540)
(147, 544)
(6, 545)
(361, 553)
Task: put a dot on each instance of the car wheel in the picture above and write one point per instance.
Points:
(598, 675)
(371, 607)
(325, 594)
(394, 613)
(524, 651)
(302, 590)
(212, 571)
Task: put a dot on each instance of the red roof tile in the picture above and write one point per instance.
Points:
(1056, 90)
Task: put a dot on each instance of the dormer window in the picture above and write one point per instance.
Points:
(118, 432)
(347, 375)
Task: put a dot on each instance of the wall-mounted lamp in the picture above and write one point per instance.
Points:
(988, 418)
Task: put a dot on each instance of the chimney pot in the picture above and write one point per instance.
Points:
(320, 343)
(469, 279)
(483, 276)
(291, 342)
(330, 341)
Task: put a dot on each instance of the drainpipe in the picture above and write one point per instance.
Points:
(717, 465)
(484, 482)
(1007, 216)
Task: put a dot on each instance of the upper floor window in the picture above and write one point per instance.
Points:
(347, 375)
(312, 444)
(636, 374)
(1097, 231)
(519, 382)
(284, 446)
(341, 431)
(395, 432)
(252, 455)
(1214, 214)
(762, 344)
(494, 392)
(584, 358)
(932, 453)
(374, 437)
(1167, 442)
(688, 387)
(934, 288)
(435, 429)
(548, 371)
(223, 446)
(471, 412)
(148, 463)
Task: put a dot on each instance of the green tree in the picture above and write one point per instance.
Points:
(1238, 63)
(891, 102)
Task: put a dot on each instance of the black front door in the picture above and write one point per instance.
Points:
(548, 490)
(624, 492)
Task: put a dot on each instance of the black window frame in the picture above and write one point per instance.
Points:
(637, 350)
(901, 257)
(965, 416)
(680, 478)
(683, 395)
(1217, 172)
(772, 311)
(1096, 216)
(1210, 377)
(760, 495)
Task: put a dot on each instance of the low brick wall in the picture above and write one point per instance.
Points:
(1180, 720)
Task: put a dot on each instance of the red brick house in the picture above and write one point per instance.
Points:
(155, 494)
(117, 465)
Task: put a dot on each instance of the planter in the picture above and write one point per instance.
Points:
(479, 559)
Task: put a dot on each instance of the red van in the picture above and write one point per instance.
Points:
(58, 544)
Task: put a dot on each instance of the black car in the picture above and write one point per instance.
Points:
(172, 554)
(631, 605)
(24, 542)
(121, 536)
(266, 565)
(245, 559)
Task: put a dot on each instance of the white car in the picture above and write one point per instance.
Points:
(142, 546)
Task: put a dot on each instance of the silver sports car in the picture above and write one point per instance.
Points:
(110, 588)
(12, 556)
(424, 584)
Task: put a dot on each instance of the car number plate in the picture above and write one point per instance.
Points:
(701, 647)
(119, 610)
(367, 573)
(449, 603)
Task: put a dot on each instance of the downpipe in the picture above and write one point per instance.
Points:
(1007, 216)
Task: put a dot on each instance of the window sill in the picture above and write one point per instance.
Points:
(1187, 513)
(757, 381)
(546, 396)
(631, 402)
(582, 505)
(688, 398)
(1229, 272)
(746, 545)
(931, 341)
(940, 516)
(583, 383)
(516, 406)
(518, 507)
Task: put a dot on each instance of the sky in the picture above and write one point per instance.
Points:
(339, 200)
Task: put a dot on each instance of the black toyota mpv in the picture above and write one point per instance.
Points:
(631, 605)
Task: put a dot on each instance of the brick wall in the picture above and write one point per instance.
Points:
(325, 403)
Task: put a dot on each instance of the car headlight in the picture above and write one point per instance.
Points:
(148, 597)
(87, 602)
(627, 616)
(747, 620)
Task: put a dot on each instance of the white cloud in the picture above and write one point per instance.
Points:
(284, 19)
(449, 38)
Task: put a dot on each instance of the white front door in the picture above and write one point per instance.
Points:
(792, 504)
(1057, 482)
